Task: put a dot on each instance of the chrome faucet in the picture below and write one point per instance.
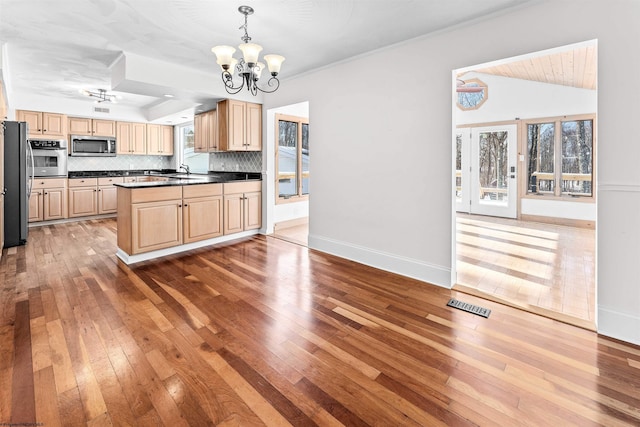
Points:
(185, 167)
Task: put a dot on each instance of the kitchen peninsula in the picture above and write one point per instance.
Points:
(179, 212)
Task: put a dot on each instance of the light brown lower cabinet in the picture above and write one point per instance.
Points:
(48, 199)
(202, 212)
(156, 225)
(108, 194)
(242, 206)
(83, 197)
(161, 217)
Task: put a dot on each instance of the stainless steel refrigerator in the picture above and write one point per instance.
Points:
(17, 183)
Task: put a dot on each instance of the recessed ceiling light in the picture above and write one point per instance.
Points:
(168, 95)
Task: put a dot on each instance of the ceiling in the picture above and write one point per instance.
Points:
(56, 48)
(575, 67)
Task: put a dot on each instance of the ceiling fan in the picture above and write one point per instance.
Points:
(464, 87)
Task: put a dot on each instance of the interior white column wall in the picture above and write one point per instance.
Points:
(382, 145)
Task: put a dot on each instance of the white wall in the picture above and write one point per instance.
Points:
(382, 146)
(513, 98)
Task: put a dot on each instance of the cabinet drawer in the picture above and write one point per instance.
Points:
(242, 187)
(130, 179)
(107, 180)
(49, 183)
(83, 182)
(141, 195)
(201, 190)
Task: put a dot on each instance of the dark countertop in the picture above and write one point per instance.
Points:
(173, 178)
(231, 176)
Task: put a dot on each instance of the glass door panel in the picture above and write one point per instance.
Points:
(493, 171)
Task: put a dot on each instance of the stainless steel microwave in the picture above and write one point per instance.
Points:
(98, 146)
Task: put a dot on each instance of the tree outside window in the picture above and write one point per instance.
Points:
(560, 157)
(292, 157)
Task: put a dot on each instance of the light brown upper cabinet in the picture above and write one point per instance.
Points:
(42, 124)
(131, 138)
(97, 127)
(159, 140)
(206, 132)
(239, 126)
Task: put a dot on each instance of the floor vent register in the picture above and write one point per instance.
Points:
(480, 311)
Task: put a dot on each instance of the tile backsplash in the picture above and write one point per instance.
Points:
(120, 162)
(249, 161)
(245, 161)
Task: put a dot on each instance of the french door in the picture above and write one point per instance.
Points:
(485, 168)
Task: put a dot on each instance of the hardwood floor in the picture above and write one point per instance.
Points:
(265, 332)
(543, 268)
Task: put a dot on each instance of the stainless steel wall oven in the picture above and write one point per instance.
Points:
(49, 157)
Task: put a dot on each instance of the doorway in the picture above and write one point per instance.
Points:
(486, 170)
(534, 250)
(288, 160)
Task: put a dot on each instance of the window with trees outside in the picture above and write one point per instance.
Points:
(292, 158)
(560, 157)
(197, 162)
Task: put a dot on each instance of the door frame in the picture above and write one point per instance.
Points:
(466, 164)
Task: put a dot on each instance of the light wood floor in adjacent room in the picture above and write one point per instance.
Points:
(295, 234)
(260, 331)
(548, 269)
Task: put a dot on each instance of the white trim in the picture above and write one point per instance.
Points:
(131, 259)
(416, 269)
(622, 326)
(624, 188)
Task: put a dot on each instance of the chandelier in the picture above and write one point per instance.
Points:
(248, 67)
(101, 94)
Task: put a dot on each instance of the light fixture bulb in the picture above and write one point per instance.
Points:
(224, 54)
(274, 62)
(250, 52)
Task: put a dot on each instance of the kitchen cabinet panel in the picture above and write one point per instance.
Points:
(202, 218)
(48, 199)
(83, 201)
(159, 140)
(103, 127)
(91, 127)
(36, 206)
(156, 225)
(242, 206)
(55, 203)
(131, 138)
(43, 124)
(108, 194)
(239, 126)
(206, 132)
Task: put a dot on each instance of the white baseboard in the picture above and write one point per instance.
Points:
(621, 326)
(131, 259)
(416, 269)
